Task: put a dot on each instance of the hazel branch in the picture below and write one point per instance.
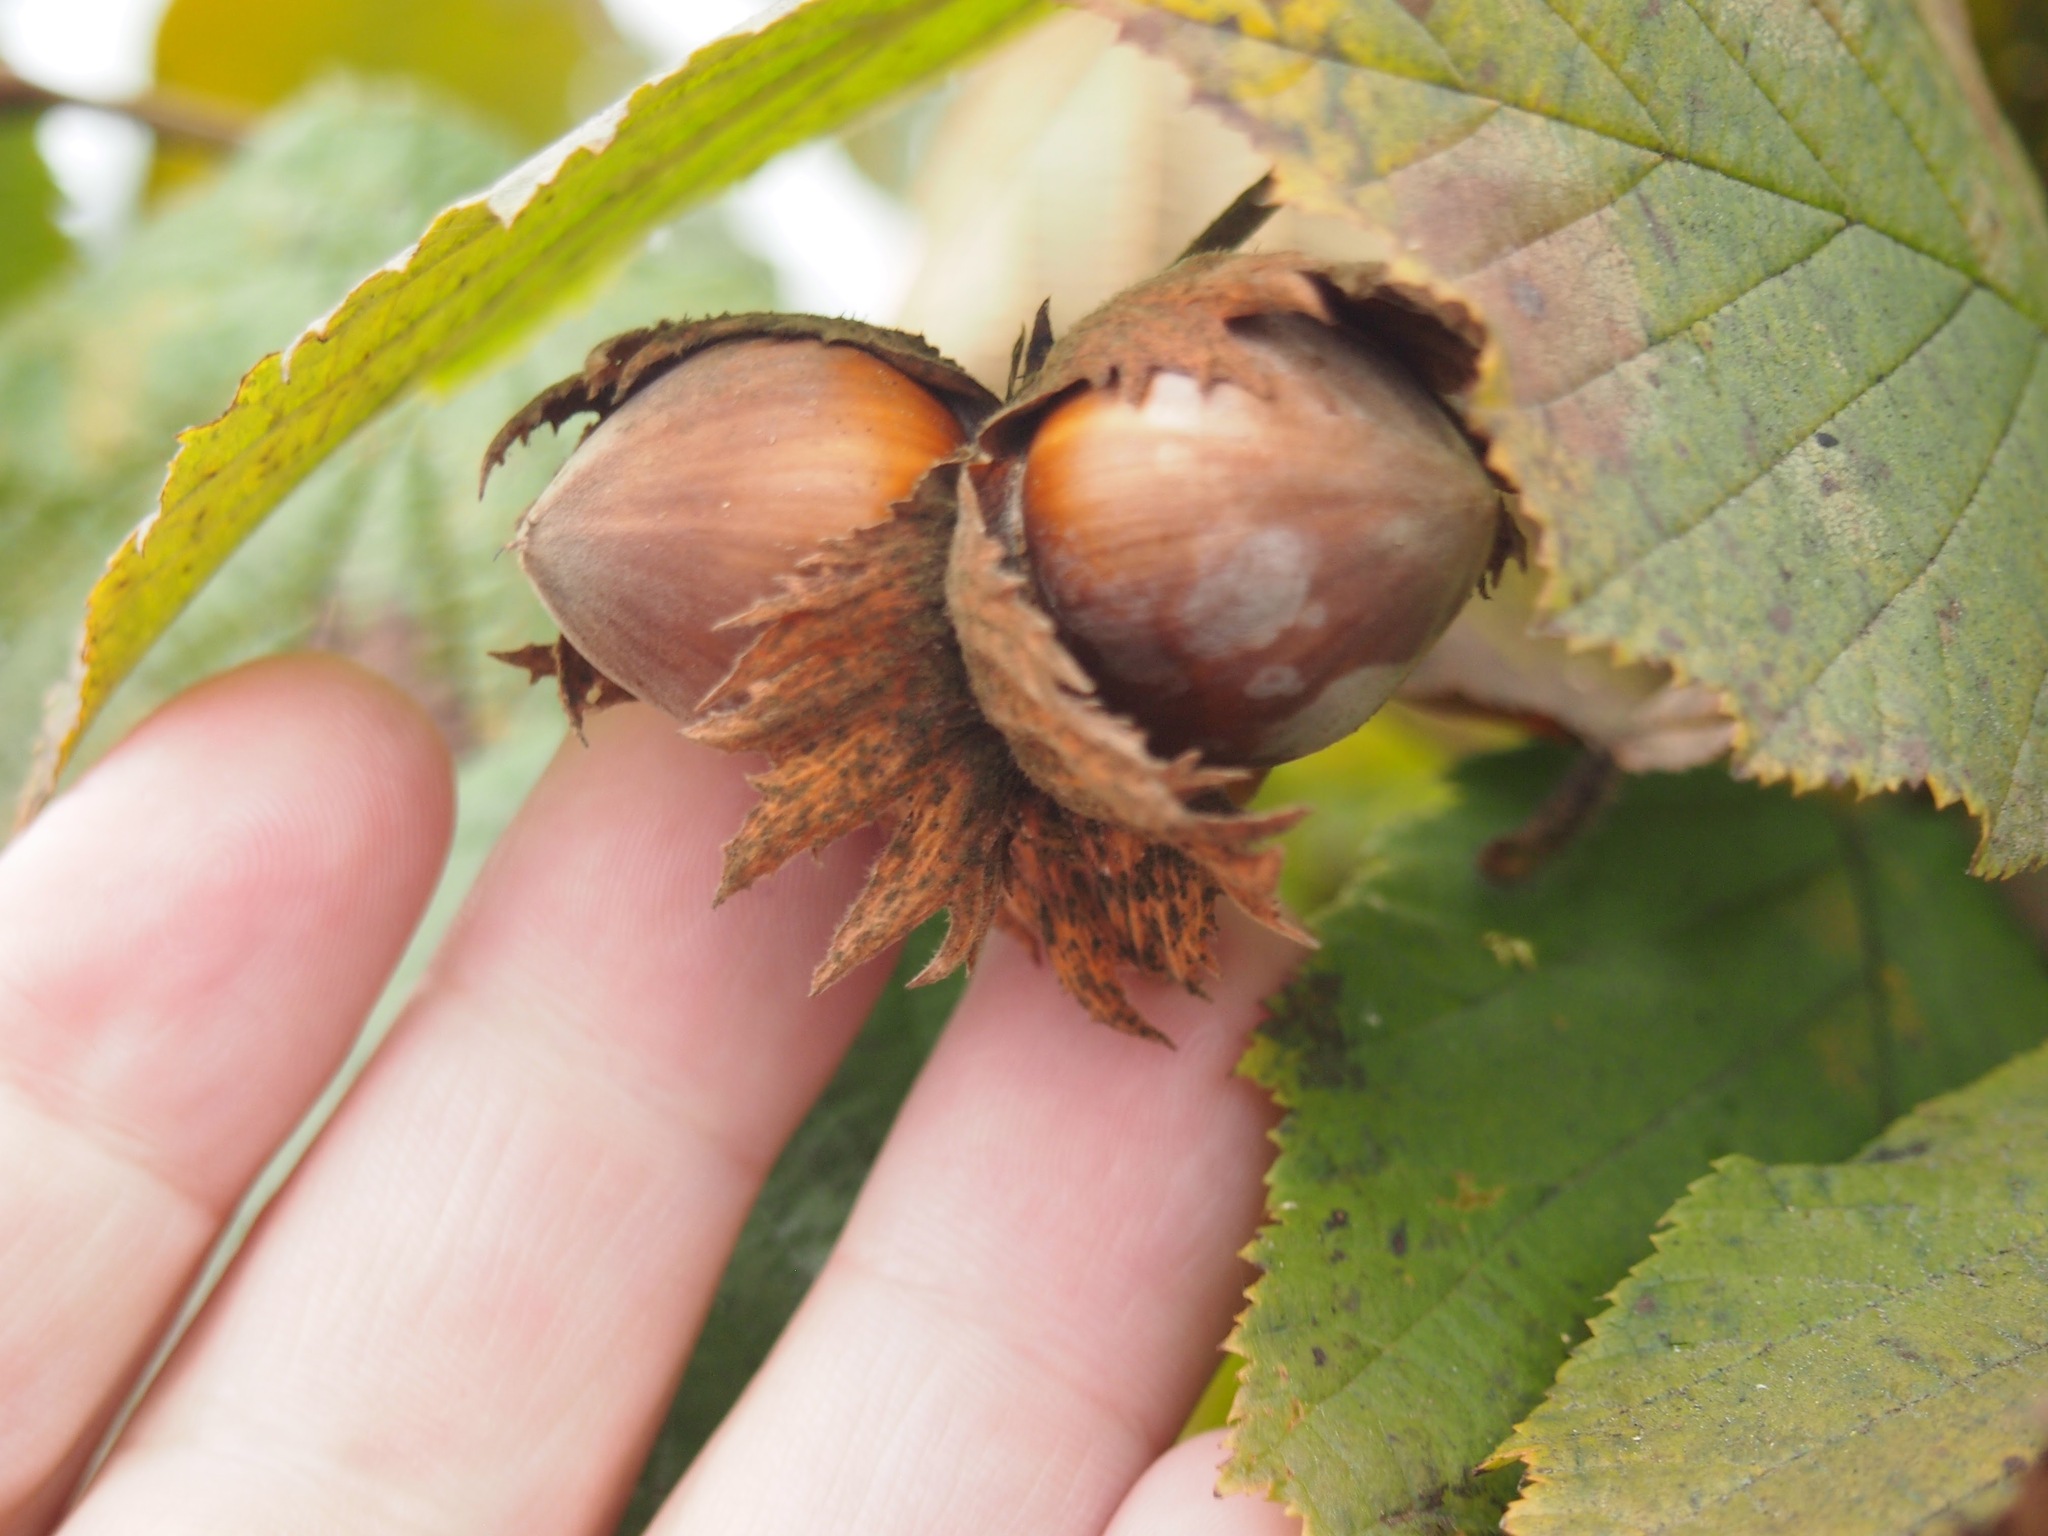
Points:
(170, 113)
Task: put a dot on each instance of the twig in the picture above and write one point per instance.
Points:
(170, 113)
(1579, 795)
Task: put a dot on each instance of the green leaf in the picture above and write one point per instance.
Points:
(1388, 771)
(385, 552)
(1860, 1349)
(34, 247)
(1492, 1094)
(797, 1218)
(488, 267)
(1766, 281)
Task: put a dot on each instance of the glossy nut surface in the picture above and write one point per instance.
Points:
(1247, 576)
(687, 504)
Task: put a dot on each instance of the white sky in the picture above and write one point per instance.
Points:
(838, 243)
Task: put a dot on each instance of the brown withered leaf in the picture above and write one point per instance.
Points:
(583, 689)
(1492, 662)
(857, 693)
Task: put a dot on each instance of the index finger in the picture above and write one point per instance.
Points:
(188, 942)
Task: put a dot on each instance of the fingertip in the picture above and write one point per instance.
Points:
(198, 926)
(354, 754)
(1178, 1496)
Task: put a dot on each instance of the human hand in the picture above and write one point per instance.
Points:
(469, 1307)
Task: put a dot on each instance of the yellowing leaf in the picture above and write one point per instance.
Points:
(518, 61)
(1859, 1349)
(1491, 1095)
(496, 262)
(1767, 281)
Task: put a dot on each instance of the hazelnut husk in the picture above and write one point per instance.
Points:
(1208, 532)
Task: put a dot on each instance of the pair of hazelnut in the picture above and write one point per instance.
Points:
(1043, 639)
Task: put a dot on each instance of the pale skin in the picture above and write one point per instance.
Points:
(468, 1309)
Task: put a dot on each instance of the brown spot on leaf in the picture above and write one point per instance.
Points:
(1470, 1196)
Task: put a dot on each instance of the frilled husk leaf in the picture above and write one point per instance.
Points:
(582, 688)
(1093, 763)
(618, 366)
(1026, 681)
(854, 692)
(1182, 322)
(857, 693)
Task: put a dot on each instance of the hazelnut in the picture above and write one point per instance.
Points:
(708, 479)
(1249, 576)
(1044, 644)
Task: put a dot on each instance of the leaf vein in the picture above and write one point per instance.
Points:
(1783, 1040)
(1763, 471)
(2033, 722)
(1652, 342)
(1775, 105)
(1948, 1384)
(1331, 53)
(1956, 211)
(1972, 500)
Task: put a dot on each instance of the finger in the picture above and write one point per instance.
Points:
(1027, 1299)
(468, 1310)
(188, 941)
(1178, 1497)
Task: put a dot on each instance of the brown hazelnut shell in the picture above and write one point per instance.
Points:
(724, 452)
(1251, 577)
(1191, 322)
